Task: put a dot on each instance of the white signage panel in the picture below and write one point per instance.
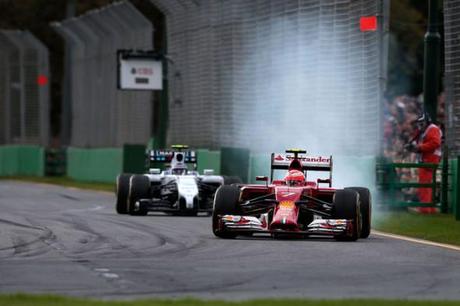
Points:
(140, 74)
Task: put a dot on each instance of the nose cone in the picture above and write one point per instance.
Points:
(285, 217)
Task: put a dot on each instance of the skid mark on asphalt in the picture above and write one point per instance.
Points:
(94, 242)
(28, 226)
(21, 246)
(69, 197)
(160, 239)
(179, 246)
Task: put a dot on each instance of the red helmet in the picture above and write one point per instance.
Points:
(295, 178)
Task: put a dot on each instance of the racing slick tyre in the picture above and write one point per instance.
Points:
(122, 190)
(365, 205)
(139, 188)
(225, 203)
(346, 206)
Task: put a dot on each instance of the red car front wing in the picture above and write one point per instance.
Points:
(251, 224)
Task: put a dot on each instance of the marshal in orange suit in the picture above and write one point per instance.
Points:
(427, 145)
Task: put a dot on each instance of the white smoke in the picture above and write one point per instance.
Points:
(307, 87)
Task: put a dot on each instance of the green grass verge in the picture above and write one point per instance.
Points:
(63, 181)
(437, 227)
(50, 300)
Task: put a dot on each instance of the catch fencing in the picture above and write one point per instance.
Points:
(266, 74)
(452, 75)
(24, 89)
(98, 114)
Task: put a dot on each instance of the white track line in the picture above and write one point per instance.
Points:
(415, 240)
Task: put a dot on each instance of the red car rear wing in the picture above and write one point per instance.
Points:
(283, 161)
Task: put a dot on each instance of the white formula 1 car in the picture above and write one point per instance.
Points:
(176, 190)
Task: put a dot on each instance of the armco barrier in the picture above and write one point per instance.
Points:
(453, 183)
(22, 160)
(96, 165)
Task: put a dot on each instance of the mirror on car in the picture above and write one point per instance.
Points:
(324, 181)
(154, 170)
(208, 172)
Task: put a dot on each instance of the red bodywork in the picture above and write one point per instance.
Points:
(285, 211)
(285, 207)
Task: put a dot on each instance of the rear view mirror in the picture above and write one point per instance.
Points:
(154, 170)
(263, 179)
(208, 172)
(324, 181)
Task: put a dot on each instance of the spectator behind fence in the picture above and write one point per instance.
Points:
(427, 144)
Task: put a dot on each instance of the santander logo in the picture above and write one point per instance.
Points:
(311, 159)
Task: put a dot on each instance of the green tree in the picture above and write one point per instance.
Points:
(405, 56)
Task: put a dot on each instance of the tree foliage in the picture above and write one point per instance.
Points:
(408, 24)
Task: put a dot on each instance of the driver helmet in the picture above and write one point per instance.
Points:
(295, 178)
(179, 171)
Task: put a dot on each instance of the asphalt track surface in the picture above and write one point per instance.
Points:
(71, 242)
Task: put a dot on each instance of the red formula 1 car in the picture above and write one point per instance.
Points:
(294, 206)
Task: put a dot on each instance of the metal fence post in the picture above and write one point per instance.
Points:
(445, 181)
(457, 188)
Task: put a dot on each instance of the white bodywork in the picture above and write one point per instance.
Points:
(187, 188)
(187, 184)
